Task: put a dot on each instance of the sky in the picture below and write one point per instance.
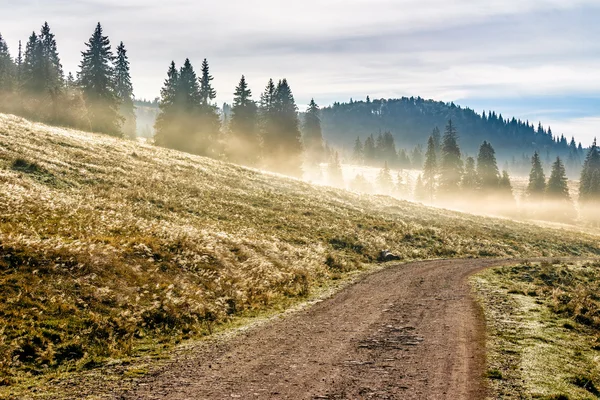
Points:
(538, 60)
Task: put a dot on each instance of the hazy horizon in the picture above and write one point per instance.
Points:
(507, 56)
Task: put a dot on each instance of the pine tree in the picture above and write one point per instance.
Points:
(209, 122)
(244, 144)
(437, 140)
(52, 71)
(557, 188)
(416, 157)
(420, 191)
(430, 169)
(470, 180)
(537, 179)
(124, 91)
(370, 151)
(166, 130)
(589, 184)
(385, 182)
(33, 82)
(7, 70)
(286, 147)
(451, 165)
(505, 193)
(557, 193)
(358, 151)
(96, 79)
(313, 135)
(19, 66)
(267, 119)
(487, 168)
(334, 171)
(207, 93)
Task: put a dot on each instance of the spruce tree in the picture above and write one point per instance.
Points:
(470, 180)
(451, 165)
(505, 193)
(287, 145)
(430, 169)
(334, 171)
(358, 151)
(165, 126)
(557, 194)
(244, 144)
(385, 182)
(209, 122)
(370, 151)
(557, 188)
(313, 135)
(207, 93)
(589, 184)
(537, 179)
(52, 71)
(33, 82)
(7, 71)
(420, 191)
(437, 139)
(124, 91)
(267, 119)
(487, 168)
(96, 79)
(416, 157)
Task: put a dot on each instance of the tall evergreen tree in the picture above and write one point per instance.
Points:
(470, 180)
(267, 119)
(244, 144)
(416, 157)
(557, 192)
(166, 132)
(313, 135)
(33, 82)
(557, 188)
(437, 140)
(385, 182)
(451, 165)
(589, 184)
(358, 151)
(487, 168)
(334, 171)
(7, 70)
(505, 193)
(430, 169)
(207, 92)
(96, 79)
(286, 148)
(537, 179)
(369, 150)
(124, 91)
(420, 191)
(209, 123)
(52, 71)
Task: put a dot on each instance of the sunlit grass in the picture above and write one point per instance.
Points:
(109, 247)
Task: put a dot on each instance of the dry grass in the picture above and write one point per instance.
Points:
(110, 246)
(543, 330)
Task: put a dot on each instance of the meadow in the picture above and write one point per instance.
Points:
(111, 247)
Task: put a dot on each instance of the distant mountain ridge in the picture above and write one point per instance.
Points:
(412, 120)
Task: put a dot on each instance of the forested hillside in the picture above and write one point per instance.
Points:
(412, 120)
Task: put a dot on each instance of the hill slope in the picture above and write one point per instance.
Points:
(411, 121)
(109, 246)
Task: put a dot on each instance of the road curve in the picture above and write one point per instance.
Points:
(410, 331)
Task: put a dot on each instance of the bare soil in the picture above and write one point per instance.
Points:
(411, 331)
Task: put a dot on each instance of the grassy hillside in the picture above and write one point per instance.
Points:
(108, 246)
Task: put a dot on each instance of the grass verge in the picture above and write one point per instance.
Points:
(543, 329)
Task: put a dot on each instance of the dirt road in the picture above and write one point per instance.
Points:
(408, 332)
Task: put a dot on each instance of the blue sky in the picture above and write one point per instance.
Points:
(533, 59)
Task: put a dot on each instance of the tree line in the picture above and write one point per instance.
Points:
(99, 98)
(410, 120)
(264, 133)
(447, 178)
